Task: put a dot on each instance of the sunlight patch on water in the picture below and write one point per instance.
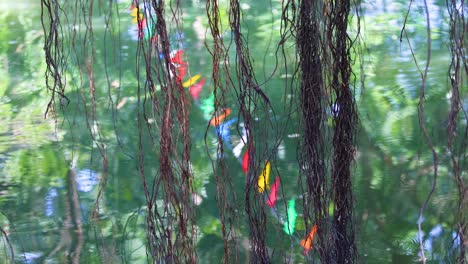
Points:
(86, 180)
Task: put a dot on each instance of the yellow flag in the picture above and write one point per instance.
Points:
(137, 15)
(191, 81)
(264, 178)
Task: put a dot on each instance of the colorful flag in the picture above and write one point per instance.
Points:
(273, 193)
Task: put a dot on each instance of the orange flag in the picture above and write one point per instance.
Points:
(307, 243)
(218, 119)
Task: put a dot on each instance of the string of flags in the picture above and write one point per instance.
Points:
(145, 28)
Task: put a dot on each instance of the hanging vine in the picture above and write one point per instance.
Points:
(250, 97)
(345, 120)
(55, 55)
(226, 198)
(313, 102)
(323, 77)
(171, 214)
(457, 135)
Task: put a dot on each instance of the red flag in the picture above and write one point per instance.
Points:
(196, 89)
(177, 59)
(273, 193)
(245, 162)
(141, 27)
(181, 73)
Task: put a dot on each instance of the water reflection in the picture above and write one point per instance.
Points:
(32, 257)
(71, 235)
(49, 202)
(53, 222)
(87, 179)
